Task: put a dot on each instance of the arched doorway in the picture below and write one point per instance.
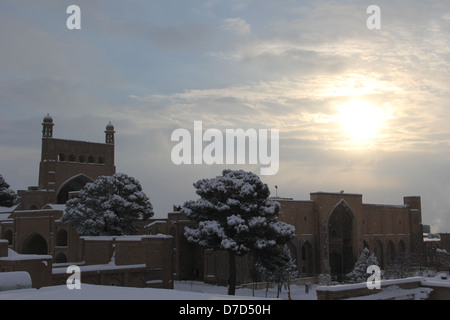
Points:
(365, 244)
(307, 258)
(401, 248)
(60, 258)
(34, 244)
(390, 252)
(75, 183)
(340, 230)
(378, 250)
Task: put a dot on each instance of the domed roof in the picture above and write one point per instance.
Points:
(48, 119)
(109, 126)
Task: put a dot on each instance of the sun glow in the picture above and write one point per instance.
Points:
(361, 121)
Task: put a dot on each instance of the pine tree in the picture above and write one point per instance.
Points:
(402, 266)
(108, 206)
(8, 197)
(277, 265)
(234, 213)
(359, 273)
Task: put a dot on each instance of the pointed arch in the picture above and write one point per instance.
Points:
(401, 248)
(76, 183)
(115, 281)
(346, 206)
(60, 258)
(340, 228)
(365, 245)
(307, 258)
(379, 252)
(33, 207)
(34, 243)
(390, 252)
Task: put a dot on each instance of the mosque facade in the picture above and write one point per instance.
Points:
(332, 229)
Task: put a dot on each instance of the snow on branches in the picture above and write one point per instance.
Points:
(8, 197)
(234, 213)
(108, 206)
(359, 273)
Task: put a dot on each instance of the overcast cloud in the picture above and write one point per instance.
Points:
(152, 67)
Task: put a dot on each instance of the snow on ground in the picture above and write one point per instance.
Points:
(297, 291)
(94, 292)
(183, 290)
(196, 290)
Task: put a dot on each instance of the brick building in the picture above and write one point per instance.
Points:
(332, 229)
(66, 166)
(37, 242)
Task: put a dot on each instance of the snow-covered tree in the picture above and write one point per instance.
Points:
(402, 266)
(359, 273)
(234, 213)
(108, 206)
(277, 265)
(442, 259)
(8, 197)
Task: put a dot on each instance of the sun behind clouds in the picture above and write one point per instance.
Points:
(361, 122)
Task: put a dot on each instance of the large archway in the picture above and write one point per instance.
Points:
(340, 230)
(75, 183)
(34, 244)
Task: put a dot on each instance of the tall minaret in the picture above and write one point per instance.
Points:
(109, 133)
(47, 127)
(46, 180)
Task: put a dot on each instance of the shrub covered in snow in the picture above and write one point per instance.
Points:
(234, 213)
(108, 206)
(359, 273)
(8, 197)
(276, 265)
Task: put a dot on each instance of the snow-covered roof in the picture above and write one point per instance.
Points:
(53, 206)
(155, 222)
(99, 267)
(14, 256)
(14, 280)
(126, 238)
(98, 238)
(441, 280)
(8, 209)
(5, 217)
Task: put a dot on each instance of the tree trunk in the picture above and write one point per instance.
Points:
(232, 279)
(289, 287)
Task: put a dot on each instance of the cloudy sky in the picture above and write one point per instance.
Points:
(360, 110)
